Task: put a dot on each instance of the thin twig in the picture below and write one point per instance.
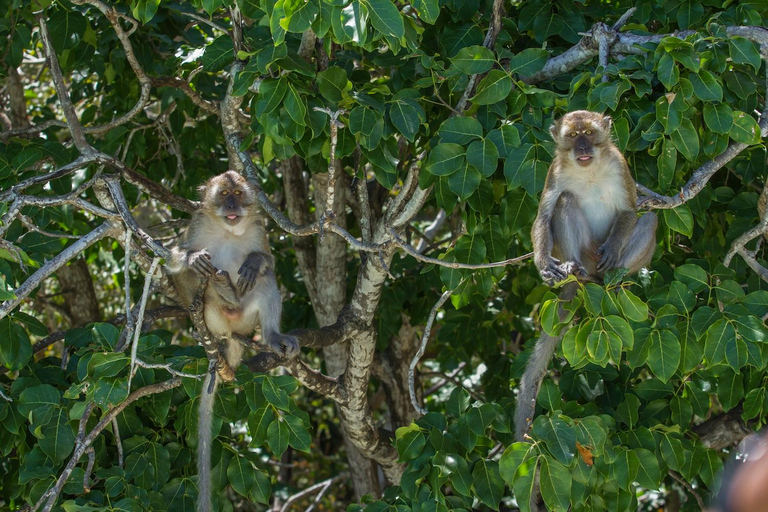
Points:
(137, 332)
(118, 442)
(423, 348)
(690, 489)
(322, 486)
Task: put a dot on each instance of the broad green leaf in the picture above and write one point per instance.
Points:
(744, 51)
(109, 392)
(57, 439)
(686, 140)
(511, 459)
(692, 276)
(241, 476)
(488, 483)
(745, 129)
(406, 115)
(298, 433)
(218, 54)
(67, 27)
(474, 60)
(648, 472)
(274, 394)
(258, 422)
(716, 339)
(555, 485)
(15, 347)
(705, 86)
(667, 71)
(528, 61)
(465, 181)
(483, 155)
(350, 23)
(145, 10)
(299, 15)
(506, 138)
(680, 219)
(559, 437)
(277, 437)
(445, 159)
(37, 398)
(386, 18)
(107, 364)
(460, 130)
(428, 10)
(493, 88)
(333, 83)
(271, 94)
(410, 442)
(663, 354)
(631, 305)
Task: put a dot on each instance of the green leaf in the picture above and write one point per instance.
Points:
(218, 54)
(488, 483)
(428, 10)
(445, 159)
(262, 488)
(107, 364)
(648, 472)
(297, 107)
(38, 398)
(333, 83)
(667, 71)
(555, 485)
(109, 392)
(409, 442)
(745, 129)
(511, 459)
(705, 86)
(406, 115)
(474, 60)
(692, 276)
(465, 181)
(625, 468)
(460, 130)
(719, 117)
(493, 88)
(299, 15)
(686, 140)
(67, 28)
(258, 422)
(145, 10)
(298, 434)
(386, 18)
(559, 437)
(716, 339)
(663, 354)
(506, 138)
(277, 437)
(57, 439)
(241, 476)
(350, 23)
(271, 94)
(744, 51)
(274, 394)
(528, 61)
(680, 219)
(470, 249)
(525, 482)
(15, 347)
(483, 155)
(631, 305)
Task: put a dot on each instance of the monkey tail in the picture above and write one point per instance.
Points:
(204, 439)
(536, 369)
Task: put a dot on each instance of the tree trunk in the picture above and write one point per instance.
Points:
(80, 301)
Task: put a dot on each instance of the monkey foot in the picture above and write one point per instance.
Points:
(226, 372)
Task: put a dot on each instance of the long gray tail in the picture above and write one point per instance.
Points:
(536, 369)
(204, 433)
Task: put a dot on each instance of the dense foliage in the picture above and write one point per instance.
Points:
(645, 359)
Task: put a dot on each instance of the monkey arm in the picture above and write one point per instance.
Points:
(543, 241)
(256, 264)
(612, 250)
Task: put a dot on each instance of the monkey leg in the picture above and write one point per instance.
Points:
(268, 303)
(571, 237)
(642, 244)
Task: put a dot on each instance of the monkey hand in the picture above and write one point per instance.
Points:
(609, 255)
(283, 345)
(551, 271)
(200, 262)
(255, 265)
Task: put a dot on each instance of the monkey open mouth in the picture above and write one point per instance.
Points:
(584, 159)
(232, 218)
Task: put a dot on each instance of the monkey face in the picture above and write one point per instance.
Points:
(229, 197)
(579, 134)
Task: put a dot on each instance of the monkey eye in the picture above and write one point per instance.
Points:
(237, 192)
(224, 192)
(588, 132)
(573, 134)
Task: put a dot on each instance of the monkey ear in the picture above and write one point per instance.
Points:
(554, 129)
(201, 190)
(607, 122)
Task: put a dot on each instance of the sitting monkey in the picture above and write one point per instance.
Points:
(587, 224)
(226, 237)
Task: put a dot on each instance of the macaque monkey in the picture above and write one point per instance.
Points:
(226, 238)
(587, 224)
